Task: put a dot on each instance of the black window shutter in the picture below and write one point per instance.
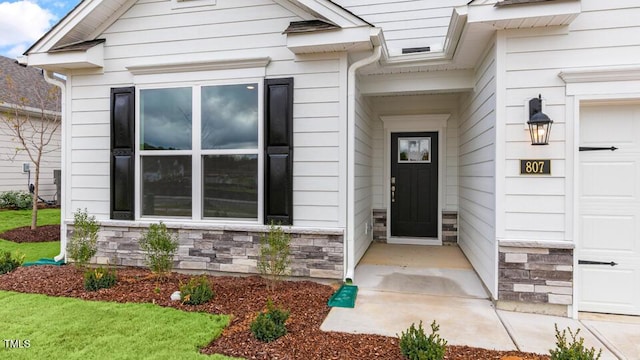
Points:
(278, 167)
(122, 152)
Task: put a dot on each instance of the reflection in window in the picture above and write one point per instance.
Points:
(230, 186)
(166, 185)
(166, 118)
(230, 117)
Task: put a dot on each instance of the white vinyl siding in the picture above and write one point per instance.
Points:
(406, 23)
(477, 167)
(603, 35)
(11, 175)
(363, 174)
(150, 32)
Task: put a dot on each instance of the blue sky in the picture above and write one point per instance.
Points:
(25, 21)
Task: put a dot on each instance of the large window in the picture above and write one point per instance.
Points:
(199, 151)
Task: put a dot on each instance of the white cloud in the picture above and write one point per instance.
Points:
(23, 22)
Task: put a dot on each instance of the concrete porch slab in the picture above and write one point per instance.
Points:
(415, 256)
(420, 280)
(461, 320)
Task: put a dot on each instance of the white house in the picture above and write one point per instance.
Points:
(350, 119)
(29, 96)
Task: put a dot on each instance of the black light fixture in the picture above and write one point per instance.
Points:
(539, 123)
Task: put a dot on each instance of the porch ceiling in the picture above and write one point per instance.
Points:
(429, 82)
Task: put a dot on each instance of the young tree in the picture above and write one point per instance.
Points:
(30, 114)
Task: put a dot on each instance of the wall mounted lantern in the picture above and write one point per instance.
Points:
(539, 123)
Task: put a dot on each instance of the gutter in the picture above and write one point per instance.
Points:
(349, 256)
(51, 79)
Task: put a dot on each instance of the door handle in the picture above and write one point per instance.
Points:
(589, 262)
(393, 189)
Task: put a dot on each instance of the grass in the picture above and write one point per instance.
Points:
(67, 328)
(32, 251)
(12, 219)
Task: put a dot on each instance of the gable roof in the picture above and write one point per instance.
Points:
(30, 84)
(90, 18)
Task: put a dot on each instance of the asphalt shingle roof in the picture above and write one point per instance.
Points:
(29, 81)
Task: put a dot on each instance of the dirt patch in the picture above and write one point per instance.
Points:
(242, 298)
(25, 234)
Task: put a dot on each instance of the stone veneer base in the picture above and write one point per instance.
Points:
(535, 276)
(219, 248)
(449, 226)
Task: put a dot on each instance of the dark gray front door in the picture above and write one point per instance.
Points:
(414, 184)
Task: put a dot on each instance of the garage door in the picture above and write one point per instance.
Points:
(609, 213)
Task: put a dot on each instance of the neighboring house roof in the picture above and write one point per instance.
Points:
(30, 82)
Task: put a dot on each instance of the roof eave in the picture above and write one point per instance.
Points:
(525, 14)
(65, 61)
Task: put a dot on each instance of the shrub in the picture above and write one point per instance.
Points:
(197, 291)
(83, 243)
(270, 325)
(275, 250)
(99, 278)
(415, 345)
(16, 200)
(159, 246)
(8, 263)
(572, 350)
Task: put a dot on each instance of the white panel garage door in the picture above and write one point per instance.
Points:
(609, 213)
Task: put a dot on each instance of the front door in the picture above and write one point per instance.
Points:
(414, 185)
(609, 213)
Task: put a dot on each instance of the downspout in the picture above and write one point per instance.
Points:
(51, 79)
(349, 255)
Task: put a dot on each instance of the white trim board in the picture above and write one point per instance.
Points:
(416, 123)
(582, 87)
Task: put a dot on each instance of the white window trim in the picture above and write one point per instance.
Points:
(196, 152)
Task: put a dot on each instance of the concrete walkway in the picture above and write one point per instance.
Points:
(395, 293)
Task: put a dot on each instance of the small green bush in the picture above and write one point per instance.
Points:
(16, 200)
(197, 291)
(99, 278)
(8, 262)
(270, 325)
(84, 239)
(159, 246)
(415, 345)
(572, 350)
(275, 251)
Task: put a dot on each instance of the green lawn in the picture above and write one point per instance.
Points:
(33, 251)
(11, 219)
(65, 328)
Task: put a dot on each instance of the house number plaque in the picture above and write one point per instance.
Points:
(535, 167)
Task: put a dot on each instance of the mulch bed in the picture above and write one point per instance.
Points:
(24, 234)
(242, 298)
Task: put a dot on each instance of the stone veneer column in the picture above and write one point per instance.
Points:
(449, 227)
(380, 225)
(535, 276)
